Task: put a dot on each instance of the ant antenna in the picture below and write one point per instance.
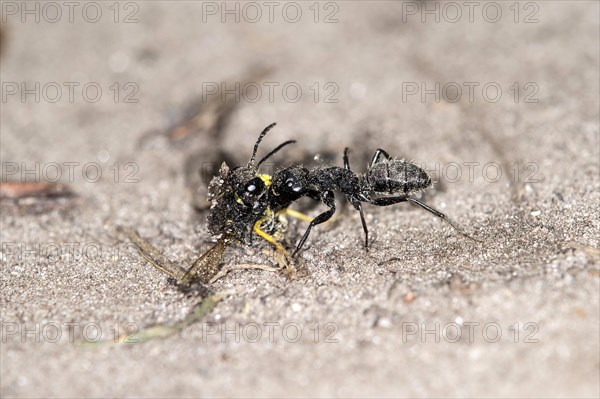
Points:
(260, 138)
(279, 147)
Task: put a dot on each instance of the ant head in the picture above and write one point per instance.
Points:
(244, 183)
(291, 182)
(251, 192)
(248, 185)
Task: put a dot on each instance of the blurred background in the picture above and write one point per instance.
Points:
(110, 109)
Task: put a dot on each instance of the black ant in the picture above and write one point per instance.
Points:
(245, 201)
(391, 176)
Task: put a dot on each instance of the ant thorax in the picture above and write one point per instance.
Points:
(335, 178)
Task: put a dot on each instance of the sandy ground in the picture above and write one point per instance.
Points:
(425, 312)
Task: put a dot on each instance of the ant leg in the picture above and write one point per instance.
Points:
(269, 238)
(314, 194)
(283, 257)
(358, 206)
(295, 214)
(385, 201)
(356, 203)
(346, 160)
(378, 155)
(329, 200)
(441, 216)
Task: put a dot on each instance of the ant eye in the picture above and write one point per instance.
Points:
(254, 185)
(251, 189)
(250, 192)
(294, 185)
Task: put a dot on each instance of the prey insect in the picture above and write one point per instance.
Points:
(242, 201)
(241, 205)
(245, 202)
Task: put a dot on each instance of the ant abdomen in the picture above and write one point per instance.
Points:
(394, 176)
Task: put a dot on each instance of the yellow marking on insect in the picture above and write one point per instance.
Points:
(269, 237)
(266, 179)
(302, 216)
(295, 214)
(268, 215)
(238, 199)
